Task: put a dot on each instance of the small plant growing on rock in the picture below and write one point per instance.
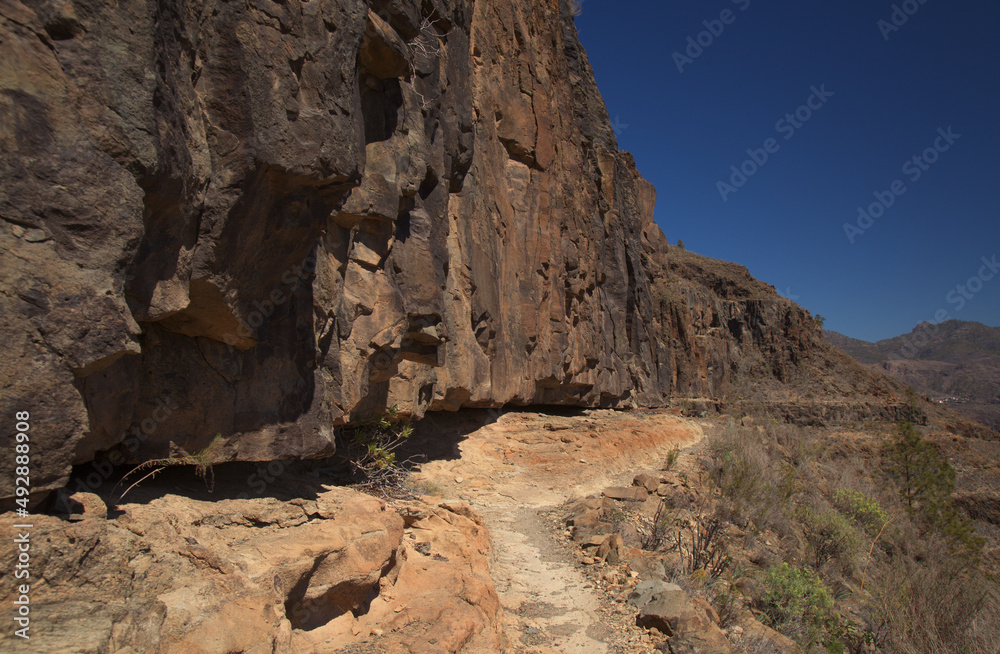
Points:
(426, 44)
(371, 451)
(202, 462)
(672, 456)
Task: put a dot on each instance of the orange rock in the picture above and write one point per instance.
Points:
(188, 576)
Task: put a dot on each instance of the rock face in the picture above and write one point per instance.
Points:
(259, 220)
(178, 575)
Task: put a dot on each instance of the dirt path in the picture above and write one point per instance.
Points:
(516, 472)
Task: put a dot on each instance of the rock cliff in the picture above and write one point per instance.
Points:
(260, 219)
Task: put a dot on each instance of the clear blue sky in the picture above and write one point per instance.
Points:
(939, 69)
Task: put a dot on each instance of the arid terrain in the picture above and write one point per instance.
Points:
(542, 532)
(955, 363)
(339, 326)
(518, 473)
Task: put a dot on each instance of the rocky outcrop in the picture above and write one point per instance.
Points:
(258, 221)
(691, 624)
(179, 575)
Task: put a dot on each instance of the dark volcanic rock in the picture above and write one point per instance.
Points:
(261, 219)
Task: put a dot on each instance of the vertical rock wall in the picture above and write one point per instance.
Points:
(259, 219)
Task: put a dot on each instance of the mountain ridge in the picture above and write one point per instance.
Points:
(954, 362)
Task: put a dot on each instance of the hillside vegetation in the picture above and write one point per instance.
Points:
(848, 539)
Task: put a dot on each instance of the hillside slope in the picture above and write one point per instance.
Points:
(955, 362)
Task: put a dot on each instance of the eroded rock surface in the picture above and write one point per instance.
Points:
(179, 575)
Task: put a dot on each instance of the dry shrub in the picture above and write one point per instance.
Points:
(921, 588)
(755, 644)
(749, 470)
(704, 548)
(936, 603)
(658, 530)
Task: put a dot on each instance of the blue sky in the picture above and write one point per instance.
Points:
(887, 92)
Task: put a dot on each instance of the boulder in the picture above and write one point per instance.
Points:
(706, 641)
(647, 481)
(752, 630)
(611, 549)
(668, 611)
(260, 575)
(645, 591)
(691, 624)
(626, 493)
(648, 566)
(85, 506)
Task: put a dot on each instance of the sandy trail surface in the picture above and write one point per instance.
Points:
(517, 469)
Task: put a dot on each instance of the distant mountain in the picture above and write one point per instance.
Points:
(863, 351)
(954, 362)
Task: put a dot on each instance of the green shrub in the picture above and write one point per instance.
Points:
(672, 455)
(796, 599)
(832, 536)
(863, 510)
(371, 451)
